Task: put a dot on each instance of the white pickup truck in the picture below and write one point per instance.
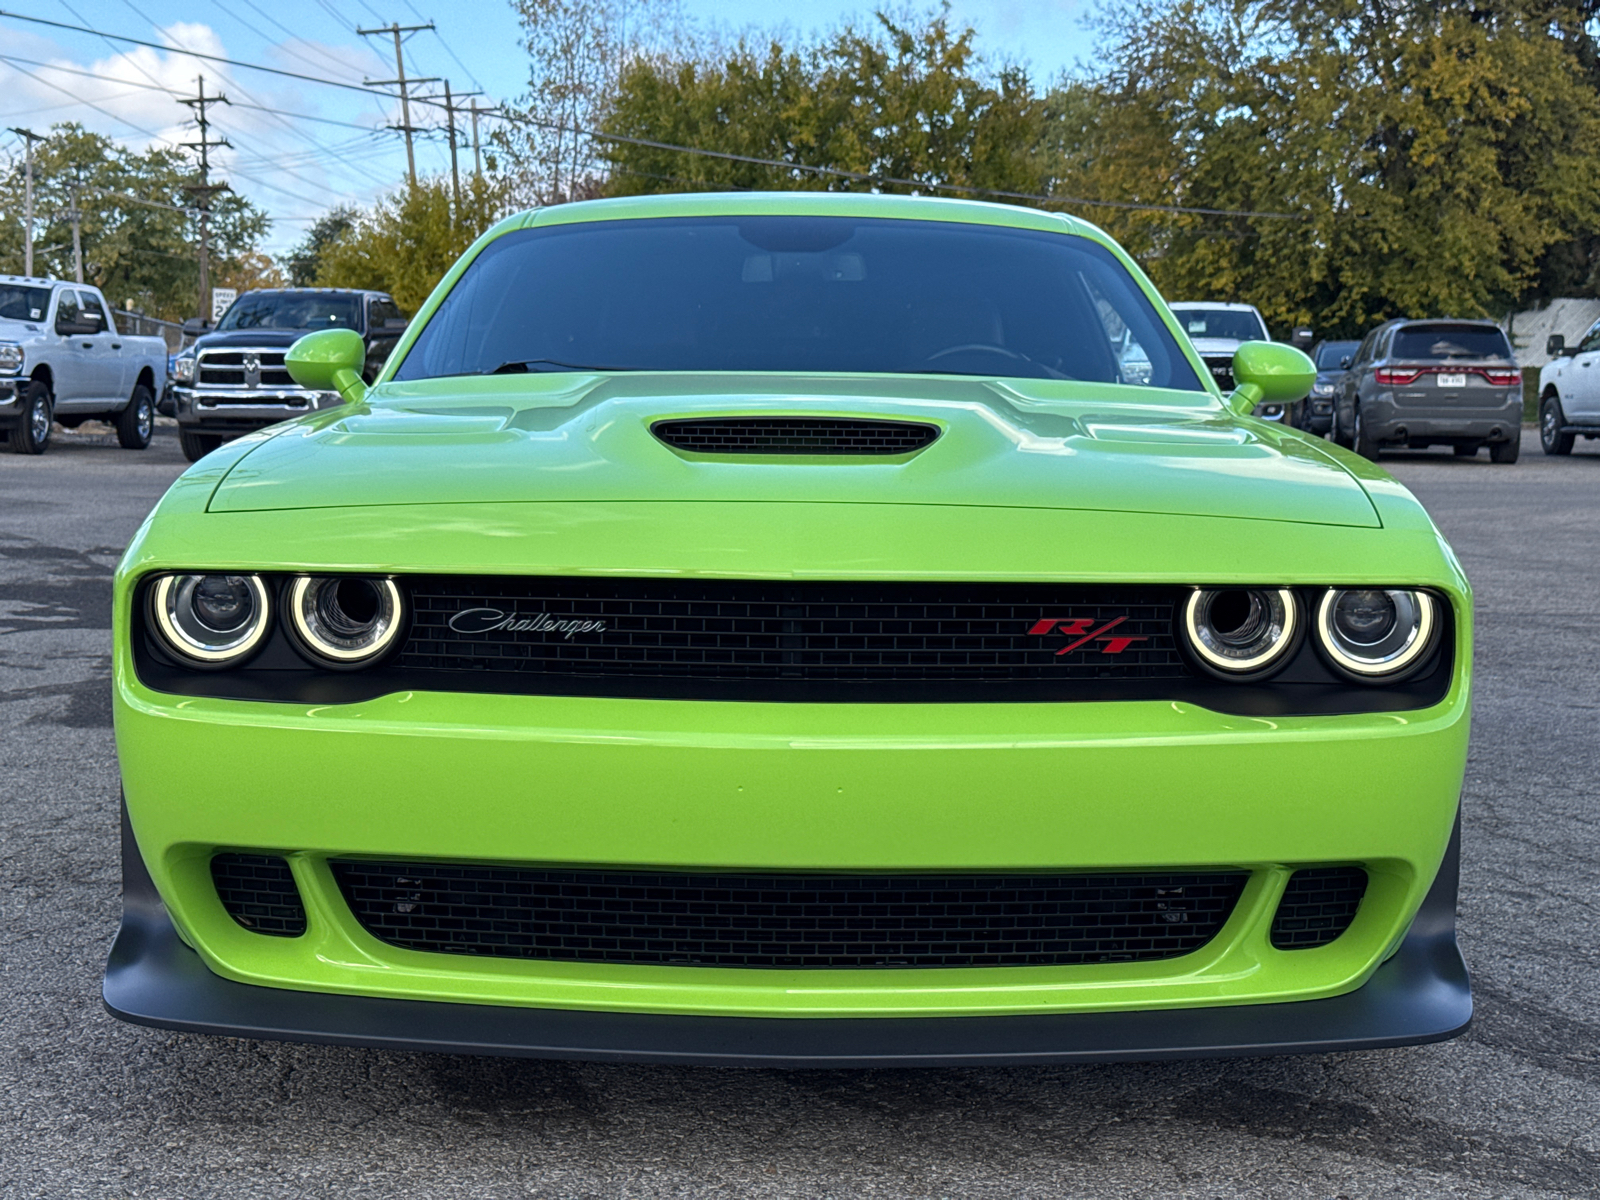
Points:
(62, 359)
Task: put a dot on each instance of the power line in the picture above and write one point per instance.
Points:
(396, 29)
(476, 82)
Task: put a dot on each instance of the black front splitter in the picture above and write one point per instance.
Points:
(1420, 995)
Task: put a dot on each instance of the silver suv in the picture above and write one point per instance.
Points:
(1432, 383)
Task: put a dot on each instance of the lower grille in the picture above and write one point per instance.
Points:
(788, 921)
(1318, 905)
(259, 892)
(795, 435)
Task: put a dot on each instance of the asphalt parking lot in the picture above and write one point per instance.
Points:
(92, 1107)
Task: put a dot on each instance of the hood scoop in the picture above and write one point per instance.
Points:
(821, 436)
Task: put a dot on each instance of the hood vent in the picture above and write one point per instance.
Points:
(794, 435)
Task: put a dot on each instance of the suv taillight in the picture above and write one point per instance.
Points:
(1503, 378)
(1396, 376)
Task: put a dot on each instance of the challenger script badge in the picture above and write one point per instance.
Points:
(491, 620)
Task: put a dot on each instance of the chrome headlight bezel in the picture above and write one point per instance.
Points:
(171, 593)
(306, 600)
(1415, 647)
(1279, 608)
(183, 368)
(12, 356)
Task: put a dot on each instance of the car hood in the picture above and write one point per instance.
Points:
(1003, 444)
(250, 337)
(1216, 345)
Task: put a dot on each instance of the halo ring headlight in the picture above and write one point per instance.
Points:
(1376, 634)
(345, 620)
(211, 620)
(1241, 633)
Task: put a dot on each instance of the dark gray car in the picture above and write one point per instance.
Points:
(1432, 383)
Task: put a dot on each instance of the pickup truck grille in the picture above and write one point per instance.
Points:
(243, 368)
(1221, 368)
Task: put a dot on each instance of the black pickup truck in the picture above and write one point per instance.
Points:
(232, 380)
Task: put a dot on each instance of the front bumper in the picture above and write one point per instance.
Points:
(233, 411)
(1421, 994)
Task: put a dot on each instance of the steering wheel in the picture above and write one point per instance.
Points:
(987, 348)
(980, 347)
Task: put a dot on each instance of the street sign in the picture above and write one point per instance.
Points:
(221, 298)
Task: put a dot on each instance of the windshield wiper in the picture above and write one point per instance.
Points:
(526, 365)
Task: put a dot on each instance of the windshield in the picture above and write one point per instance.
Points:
(1450, 341)
(18, 303)
(292, 310)
(1230, 324)
(834, 294)
(1331, 354)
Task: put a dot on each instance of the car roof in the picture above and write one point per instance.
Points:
(319, 291)
(829, 204)
(1230, 306)
(31, 280)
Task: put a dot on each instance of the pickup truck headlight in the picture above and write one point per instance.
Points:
(10, 358)
(183, 368)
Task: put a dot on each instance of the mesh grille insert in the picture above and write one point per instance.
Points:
(787, 921)
(1317, 906)
(259, 892)
(737, 630)
(794, 435)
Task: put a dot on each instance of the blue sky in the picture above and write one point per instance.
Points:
(325, 146)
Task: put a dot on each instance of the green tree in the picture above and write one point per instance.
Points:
(405, 243)
(902, 100)
(1431, 155)
(138, 235)
(305, 260)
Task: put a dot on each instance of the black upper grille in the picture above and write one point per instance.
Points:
(259, 892)
(788, 921)
(1318, 905)
(736, 630)
(794, 435)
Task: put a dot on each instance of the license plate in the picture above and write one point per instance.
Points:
(1451, 380)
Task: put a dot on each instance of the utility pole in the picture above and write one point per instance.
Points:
(450, 110)
(30, 137)
(477, 158)
(405, 97)
(75, 215)
(205, 189)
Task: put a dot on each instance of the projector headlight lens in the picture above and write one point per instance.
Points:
(215, 620)
(1376, 633)
(346, 620)
(1241, 632)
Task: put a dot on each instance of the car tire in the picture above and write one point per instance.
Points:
(1336, 430)
(197, 445)
(1364, 445)
(1551, 419)
(1507, 451)
(31, 433)
(137, 421)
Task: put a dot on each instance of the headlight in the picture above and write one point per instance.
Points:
(1322, 390)
(347, 620)
(10, 358)
(1376, 633)
(216, 620)
(1241, 632)
(183, 368)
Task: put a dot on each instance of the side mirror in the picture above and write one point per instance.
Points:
(195, 326)
(1269, 373)
(1555, 346)
(329, 360)
(1344, 363)
(1302, 337)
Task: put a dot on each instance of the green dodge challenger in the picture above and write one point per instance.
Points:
(795, 630)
